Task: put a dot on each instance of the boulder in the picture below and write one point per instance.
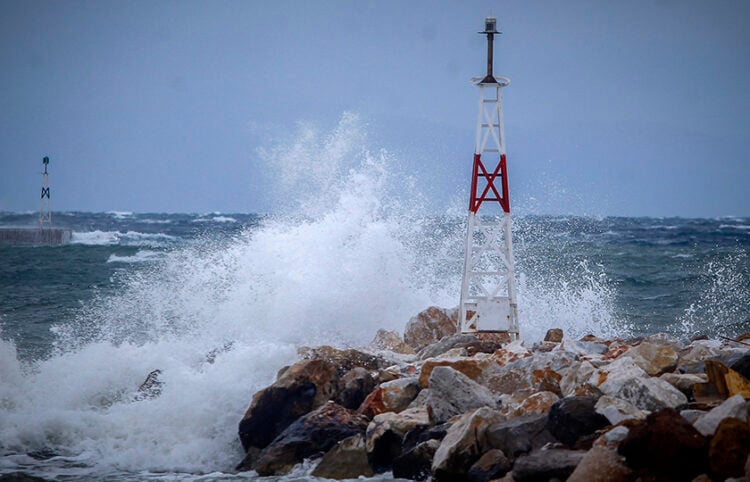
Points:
(493, 464)
(545, 465)
(542, 372)
(616, 410)
(742, 366)
(416, 463)
(554, 335)
(587, 349)
(519, 436)
(461, 341)
(539, 403)
(303, 387)
(422, 434)
(601, 464)
(346, 460)
(391, 341)
(655, 359)
(345, 360)
(453, 393)
(430, 326)
(511, 353)
(464, 443)
(393, 396)
(734, 407)
(313, 433)
(386, 432)
(729, 449)
(684, 382)
(609, 378)
(575, 381)
(477, 368)
(665, 446)
(355, 385)
(573, 417)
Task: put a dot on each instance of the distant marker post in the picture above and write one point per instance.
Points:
(488, 287)
(45, 211)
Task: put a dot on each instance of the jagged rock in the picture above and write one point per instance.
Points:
(613, 437)
(315, 432)
(536, 404)
(520, 436)
(742, 366)
(545, 465)
(430, 326)
(449, 343)
(422, 434)
(391, 341)
(729, 448)
(393, 396)
(624, 379)
(665, 446)
(616, 410)
(734, 407)
(453, 393)
(573, 417)
(696, 353)
(691, 415)
(385, 435)
(345, 360)
(575, 381)
(150, 388)
(525, 376)
(355, 385)
(554, 335)
(346, 460)
(476, 368)
(511, 353)
(654, 358)
(585, 348)
(305, 386)
(601, 464)
(464, 443)
(684, 381)
(491, 465)
(416, 463)
(665, 339)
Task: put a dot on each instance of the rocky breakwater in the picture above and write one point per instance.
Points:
(454, 407)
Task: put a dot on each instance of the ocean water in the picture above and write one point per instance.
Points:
(82, 325)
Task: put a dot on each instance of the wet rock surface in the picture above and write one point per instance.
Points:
(442, 405)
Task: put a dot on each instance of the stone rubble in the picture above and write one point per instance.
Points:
(441, 406)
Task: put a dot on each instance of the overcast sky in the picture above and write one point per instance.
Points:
(638, 108)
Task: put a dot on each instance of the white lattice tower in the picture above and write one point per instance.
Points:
(488, 291)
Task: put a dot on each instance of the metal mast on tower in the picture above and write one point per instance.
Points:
(488, 290)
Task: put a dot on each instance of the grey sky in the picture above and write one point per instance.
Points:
(623, 108)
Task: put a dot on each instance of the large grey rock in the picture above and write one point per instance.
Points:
(601, 464)
(575, 381)
(519, 436)
(450, 342)
(346, 460)
(316, 432)
(616, 410)
(734, 407)
(464, 443)
(491, 465)
(453, 393)
(545, 465)
(651, 394)
(392, 396)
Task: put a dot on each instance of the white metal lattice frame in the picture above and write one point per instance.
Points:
(488, 291)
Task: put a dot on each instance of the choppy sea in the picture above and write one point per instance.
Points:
(83, 324)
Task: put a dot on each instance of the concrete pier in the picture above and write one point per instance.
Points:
(34, 236)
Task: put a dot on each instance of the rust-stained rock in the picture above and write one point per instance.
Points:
(391, 341)
(554, 335)
(430, 326)
(529, 375)
(393, 396)
(654, 358)
(729, 448)
(535, 404)
(575, 381)
(477, 368)
(511, 353)
(464, 443)
(346, 359)
(665, 447)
